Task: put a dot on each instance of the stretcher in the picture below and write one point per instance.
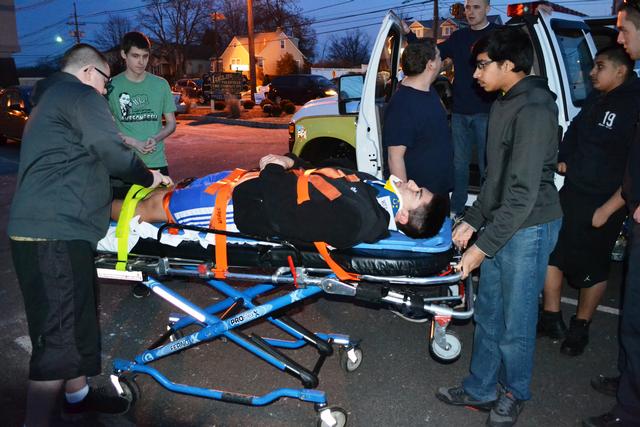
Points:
(413, 277)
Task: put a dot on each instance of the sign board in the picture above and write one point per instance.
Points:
(226, 84)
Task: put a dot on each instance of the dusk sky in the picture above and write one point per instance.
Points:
(41, 21)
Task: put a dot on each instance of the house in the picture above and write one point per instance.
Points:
(423, 29)
(269, 48)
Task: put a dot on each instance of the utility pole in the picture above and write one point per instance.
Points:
(436, 24)
(252, 50)
(76, 32)
(215, 17)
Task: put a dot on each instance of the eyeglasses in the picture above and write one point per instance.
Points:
(107, 84)
(480, 65)
(108, 78)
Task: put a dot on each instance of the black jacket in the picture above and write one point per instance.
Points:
(267, 206)
(69, 148)
(522, 146)
(597, 142)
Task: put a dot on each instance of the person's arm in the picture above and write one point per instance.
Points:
(396, 161)
(168, 128)
(534, 126)
(608, 208)
(100, 137)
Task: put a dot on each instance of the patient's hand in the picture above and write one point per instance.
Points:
(284, 161)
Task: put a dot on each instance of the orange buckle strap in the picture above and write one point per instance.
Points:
(315, 178)
(165, 205)
(340, 272)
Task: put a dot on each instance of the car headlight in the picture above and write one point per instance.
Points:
(330, 92)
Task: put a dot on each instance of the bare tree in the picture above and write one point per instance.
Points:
(349, 50)
(176, 24)
(112, 32)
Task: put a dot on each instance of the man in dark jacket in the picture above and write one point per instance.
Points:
(593, 155)
(626, 411)
(59, 212)
(518, 216)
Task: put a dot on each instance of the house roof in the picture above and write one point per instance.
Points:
(261, 40)
(496, 19)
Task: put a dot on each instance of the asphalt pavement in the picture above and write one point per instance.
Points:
(394, 386)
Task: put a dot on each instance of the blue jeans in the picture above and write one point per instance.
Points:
(506, 313)
(467, 130)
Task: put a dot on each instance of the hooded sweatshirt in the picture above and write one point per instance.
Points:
(69, 148)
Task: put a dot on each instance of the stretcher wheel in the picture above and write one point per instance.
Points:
(350, 364)
(332, 413)
(130, 388)
(449, 354)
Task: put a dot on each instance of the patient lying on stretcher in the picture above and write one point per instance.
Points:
(287, 200)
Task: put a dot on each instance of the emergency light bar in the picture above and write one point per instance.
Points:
(520, 9)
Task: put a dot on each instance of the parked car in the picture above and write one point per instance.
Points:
(190, 88)
(15, 107)
(300, 88)
(181, 105)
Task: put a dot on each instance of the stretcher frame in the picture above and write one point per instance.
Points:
(240, 309)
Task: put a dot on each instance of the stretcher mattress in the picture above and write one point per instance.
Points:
(397, 255)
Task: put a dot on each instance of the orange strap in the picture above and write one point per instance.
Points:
(222, 190)
(340, 272)
(315, 178)
(165, 205)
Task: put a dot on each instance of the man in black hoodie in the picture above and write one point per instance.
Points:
(60, 210)
(626, 411)
(592, 157)
(517, 216)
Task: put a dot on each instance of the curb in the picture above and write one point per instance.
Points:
(203, 120)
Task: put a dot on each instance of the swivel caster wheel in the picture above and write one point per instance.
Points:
(130, 388)
(448, 354)
(350, 358)
(332, 416)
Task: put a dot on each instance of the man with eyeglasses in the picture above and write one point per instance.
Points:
(626, 411)
(60, 210)
(517, 216)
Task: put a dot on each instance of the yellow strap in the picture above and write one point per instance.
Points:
(134, 195)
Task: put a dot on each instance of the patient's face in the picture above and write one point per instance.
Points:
(412, 195)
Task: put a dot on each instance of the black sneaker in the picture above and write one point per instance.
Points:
(577, 337)
(458, 397)
(605, 420)
(606, 385)
(141, 291)
(505, 412)
(98, 400)
(551, 325)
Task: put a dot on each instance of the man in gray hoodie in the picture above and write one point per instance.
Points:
(60, 210)
(517, 216)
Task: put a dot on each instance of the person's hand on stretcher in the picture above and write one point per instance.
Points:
(472, 257)
(159, 179)
(284, 161)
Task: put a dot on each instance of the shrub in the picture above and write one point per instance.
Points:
(276, 111)
(219, 105)
(248, 104)
(288, 107)
(267, 108)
